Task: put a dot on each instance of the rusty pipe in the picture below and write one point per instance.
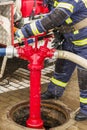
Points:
(72, 57)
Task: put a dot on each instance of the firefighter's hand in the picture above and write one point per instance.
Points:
(19, 35)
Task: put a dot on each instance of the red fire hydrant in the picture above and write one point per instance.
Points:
(36, 57)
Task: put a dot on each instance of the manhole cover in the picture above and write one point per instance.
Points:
(53, 114)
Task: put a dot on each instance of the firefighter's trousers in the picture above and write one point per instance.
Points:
(63, 72)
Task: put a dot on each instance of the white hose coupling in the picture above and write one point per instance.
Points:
(11, 52)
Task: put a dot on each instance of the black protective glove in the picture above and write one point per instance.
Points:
(58, 40)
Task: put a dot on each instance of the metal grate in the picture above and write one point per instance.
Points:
(20, 79)
(6, 23)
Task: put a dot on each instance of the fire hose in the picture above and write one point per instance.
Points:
(11, 52)
(72, 57)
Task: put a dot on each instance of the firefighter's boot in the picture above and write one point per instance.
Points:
(80, 116)
(48, 95)
(82, 79)
(54, 94)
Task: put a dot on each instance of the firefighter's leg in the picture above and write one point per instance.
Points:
(82, 80)
(62, 74)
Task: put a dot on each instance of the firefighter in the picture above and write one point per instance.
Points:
(70, 18)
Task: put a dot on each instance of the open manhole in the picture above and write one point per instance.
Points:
(53, 114)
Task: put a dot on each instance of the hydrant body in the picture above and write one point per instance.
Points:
(36, 58)
(35, 120)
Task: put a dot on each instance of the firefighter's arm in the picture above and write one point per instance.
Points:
(52, 20)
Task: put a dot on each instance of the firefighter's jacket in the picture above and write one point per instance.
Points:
(76, 11)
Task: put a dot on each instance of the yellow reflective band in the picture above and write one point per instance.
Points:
(68, 20)
(34, 28)
(77, 1)
(83, 100)
(85, 2)
(80, 42)
(70, 7)
(58, 82)
(55, 3)
(76, 32)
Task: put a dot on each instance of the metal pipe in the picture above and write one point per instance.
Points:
(72, 57)
(3, 66)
